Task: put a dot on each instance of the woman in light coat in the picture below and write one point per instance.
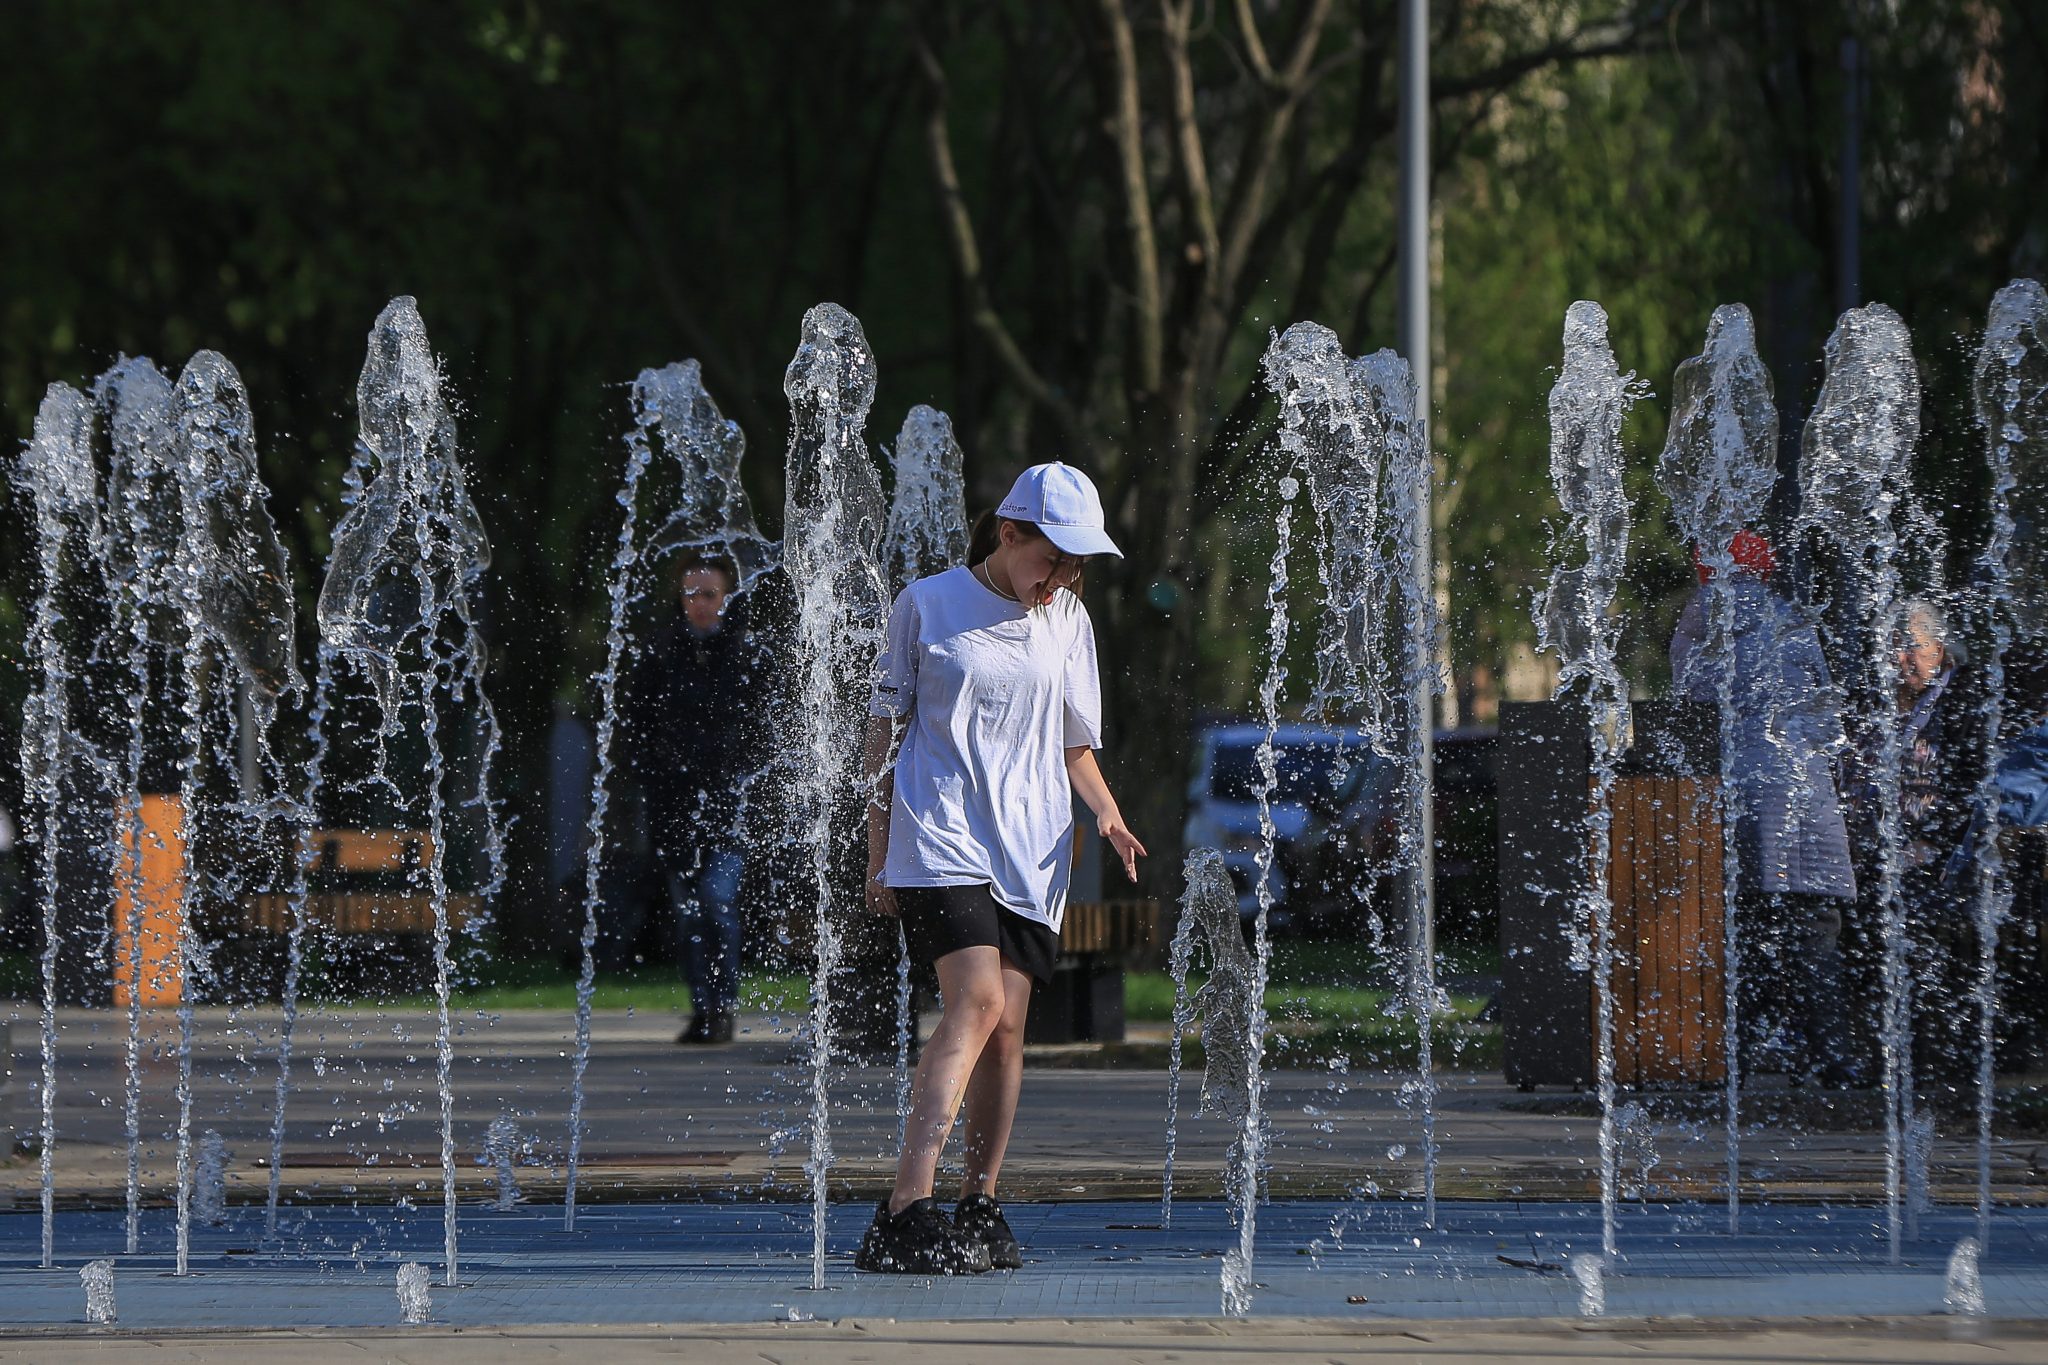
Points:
(1792, 842)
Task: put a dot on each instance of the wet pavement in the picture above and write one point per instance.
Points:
(335, 1267)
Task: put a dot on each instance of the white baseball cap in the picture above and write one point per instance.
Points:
(1062, 502)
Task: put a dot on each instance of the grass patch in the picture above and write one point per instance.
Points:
(1328, 1006)
(1326, 983)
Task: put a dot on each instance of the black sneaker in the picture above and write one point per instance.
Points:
(981, 1218)
(918, 1241)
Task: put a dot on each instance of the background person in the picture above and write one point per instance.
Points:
(2023, 947)
(1790, 836)
(696, 732)
(989, 682)
(1939, 714)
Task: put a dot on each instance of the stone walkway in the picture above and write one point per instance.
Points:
(666, 1121)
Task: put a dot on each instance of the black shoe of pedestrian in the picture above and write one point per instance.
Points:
(981, 1218)
(696, 1031)
(918, 1241)
(721, 1028)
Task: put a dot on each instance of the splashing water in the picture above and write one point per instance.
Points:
(704, 449)
(210, 1180)
(1635, 1141)
(396, 605)
(1963, 1291)
(832, 525)
(927, 530)
(135, 398)
(1919, 1163)
(502, 1148)
(415, 1302)
(98, 1279)
(1208, 904)
(57, 475)
(1385, 382)
(1575, 620)
(1226, 1001)
(1319, 424)
(1852, 479)
(2011, 384)
(1718, 468)
(299, 892)
(233, 588)
(297, 898)
(638, 456)
(1589, 1272)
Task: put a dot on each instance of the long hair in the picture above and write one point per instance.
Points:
(987, 535)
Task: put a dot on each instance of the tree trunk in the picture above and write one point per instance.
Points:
(1148, 650)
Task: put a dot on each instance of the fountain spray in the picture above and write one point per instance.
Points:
(671, 410)
(832, 525)
(233, 590)
(1718, 468)
(56, 473)
(1852, 480)
(1575, 620)
(397, 606)
(2012, 403)
(1320, 422)
(135, 398)
(1383, 379)
(1209, 899)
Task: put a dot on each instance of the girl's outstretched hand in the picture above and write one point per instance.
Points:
(1120, 838)
(881, 899)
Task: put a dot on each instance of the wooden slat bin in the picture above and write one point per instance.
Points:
(1664, 882)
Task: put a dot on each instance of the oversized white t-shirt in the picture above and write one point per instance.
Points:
(995, 695)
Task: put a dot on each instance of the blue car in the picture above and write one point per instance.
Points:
(1329, 786)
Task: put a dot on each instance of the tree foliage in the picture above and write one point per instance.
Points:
(1071, 225)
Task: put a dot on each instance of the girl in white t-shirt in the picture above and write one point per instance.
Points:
(987, 695)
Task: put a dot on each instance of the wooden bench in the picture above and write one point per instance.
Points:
(358, 912)
(367, 902)
(363, 881)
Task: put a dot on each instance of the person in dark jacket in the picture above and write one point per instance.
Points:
(696, 732)
(1939, 713)
(1790, 837)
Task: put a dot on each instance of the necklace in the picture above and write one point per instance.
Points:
(990, 579)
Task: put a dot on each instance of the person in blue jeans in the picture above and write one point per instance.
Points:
(695, 733)
(707, 905)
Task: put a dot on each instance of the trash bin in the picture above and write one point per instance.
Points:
(1664, 884)
(149, 907)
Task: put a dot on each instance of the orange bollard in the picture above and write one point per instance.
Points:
(162, 881)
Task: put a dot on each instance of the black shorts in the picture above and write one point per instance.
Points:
(943, 919)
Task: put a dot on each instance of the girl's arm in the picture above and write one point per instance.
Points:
(878, 770)
(1088, 783)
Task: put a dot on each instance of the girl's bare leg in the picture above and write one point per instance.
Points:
(971, 989)
(992, 1090)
